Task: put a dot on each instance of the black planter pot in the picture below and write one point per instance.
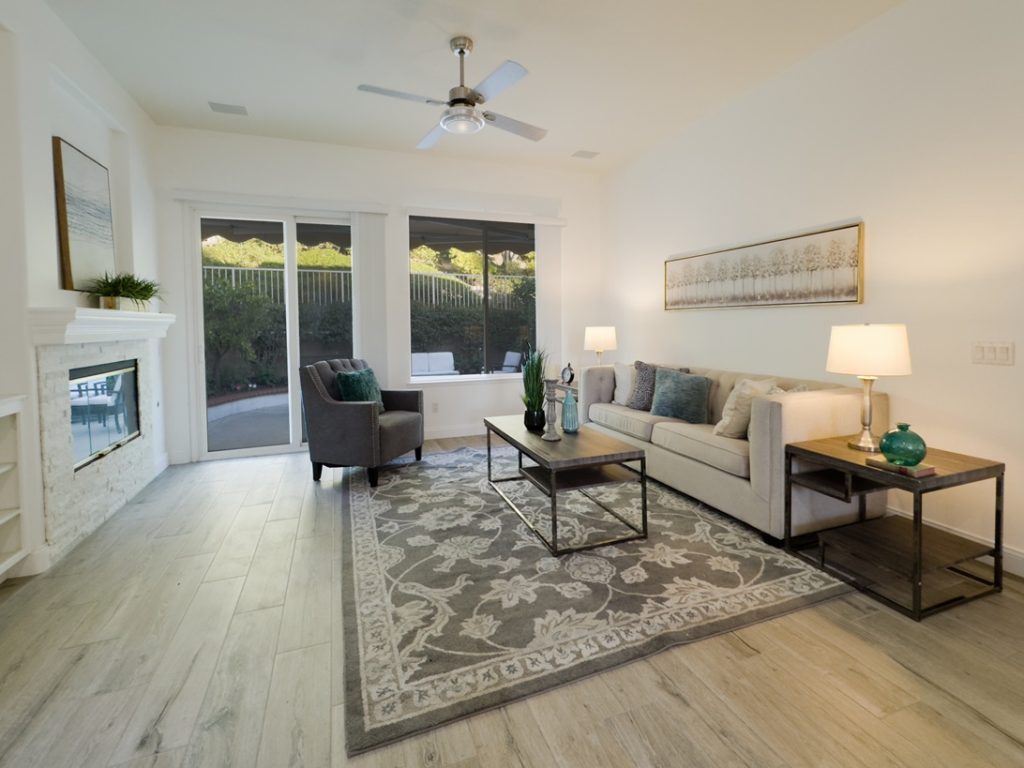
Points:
(534, 420)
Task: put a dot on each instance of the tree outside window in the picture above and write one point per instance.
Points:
(473, 293)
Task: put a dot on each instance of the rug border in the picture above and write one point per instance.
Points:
(358, 741)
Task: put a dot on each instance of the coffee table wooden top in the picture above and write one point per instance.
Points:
(583, 448)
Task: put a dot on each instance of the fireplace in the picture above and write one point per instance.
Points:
(104, 409)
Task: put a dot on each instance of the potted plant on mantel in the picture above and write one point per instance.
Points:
(533, 389)
(113, 290)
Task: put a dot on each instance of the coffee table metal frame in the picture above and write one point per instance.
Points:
(568, 472)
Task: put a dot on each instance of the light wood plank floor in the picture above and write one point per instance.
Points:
(201, 626)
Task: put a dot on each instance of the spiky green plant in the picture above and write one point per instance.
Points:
(534, 364)
(126, 285)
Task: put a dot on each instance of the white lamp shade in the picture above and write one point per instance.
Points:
(599, 338)
(870, 349)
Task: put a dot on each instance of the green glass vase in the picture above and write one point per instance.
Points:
(902, 447)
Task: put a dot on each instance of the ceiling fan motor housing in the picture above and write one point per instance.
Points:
(460, 94)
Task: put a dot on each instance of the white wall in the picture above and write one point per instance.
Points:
(384, 186)
(50, 85)
(913, 123)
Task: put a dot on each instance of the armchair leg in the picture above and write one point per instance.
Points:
(419, 452)
(372, 472)
(318, 470)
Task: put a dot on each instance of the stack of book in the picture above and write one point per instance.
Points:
(918, 470)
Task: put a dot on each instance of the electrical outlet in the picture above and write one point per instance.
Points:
(992, 353)
(433, 407)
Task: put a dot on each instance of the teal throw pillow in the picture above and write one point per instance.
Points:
(681, 396)
(359, 386)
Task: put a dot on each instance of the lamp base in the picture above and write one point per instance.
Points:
(865, 442)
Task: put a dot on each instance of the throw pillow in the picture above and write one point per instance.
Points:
(359, 386)
(681, 396)
(736, 413)
(625, 375)
(643, 387)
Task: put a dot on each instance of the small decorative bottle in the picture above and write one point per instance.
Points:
(570, 414)
(902, 447)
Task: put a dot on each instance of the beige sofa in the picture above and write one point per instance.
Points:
(743, 478)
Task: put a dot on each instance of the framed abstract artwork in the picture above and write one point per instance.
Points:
(819, 267)
(85, 225)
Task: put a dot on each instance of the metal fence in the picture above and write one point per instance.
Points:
(316, 286)
(332, 286)
(461, 290)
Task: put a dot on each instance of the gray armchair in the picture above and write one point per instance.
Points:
(357, 434)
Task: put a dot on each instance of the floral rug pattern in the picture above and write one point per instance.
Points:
(451, 605)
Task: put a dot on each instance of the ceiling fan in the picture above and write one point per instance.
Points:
(461, 114)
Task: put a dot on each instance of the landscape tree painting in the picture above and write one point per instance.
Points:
(825, 267)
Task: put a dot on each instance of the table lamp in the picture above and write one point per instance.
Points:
(868, 351)
(599, 338)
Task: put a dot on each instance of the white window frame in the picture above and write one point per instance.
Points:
(290, 219)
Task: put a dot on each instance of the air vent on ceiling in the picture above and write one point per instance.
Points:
(228, 109)
(585, 154)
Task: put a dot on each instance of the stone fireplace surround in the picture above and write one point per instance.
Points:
(77, 503)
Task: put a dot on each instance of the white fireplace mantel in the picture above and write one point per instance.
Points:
(79, 325)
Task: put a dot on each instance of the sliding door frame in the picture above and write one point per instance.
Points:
(290, 219)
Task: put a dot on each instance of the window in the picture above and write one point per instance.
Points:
(473, 295)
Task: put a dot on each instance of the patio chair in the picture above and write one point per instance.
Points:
(511, 362)
(357, 434)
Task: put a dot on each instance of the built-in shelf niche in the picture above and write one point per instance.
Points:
(12, 544)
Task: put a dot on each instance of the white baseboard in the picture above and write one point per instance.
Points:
(162, 462)
(1013, 558)
(35, 562)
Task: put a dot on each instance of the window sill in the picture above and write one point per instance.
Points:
(469, 378)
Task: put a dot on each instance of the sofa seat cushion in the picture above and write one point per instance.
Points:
(700, 443)
(631, 422)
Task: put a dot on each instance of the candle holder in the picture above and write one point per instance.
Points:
(550, 394)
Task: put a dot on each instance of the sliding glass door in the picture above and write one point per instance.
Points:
(275, 294)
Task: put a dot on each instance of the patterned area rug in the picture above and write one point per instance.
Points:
(452, 605)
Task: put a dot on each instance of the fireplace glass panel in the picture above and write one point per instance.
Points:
(104, 409)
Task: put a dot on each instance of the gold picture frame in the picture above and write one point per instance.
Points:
(823, 266)
(85, 224)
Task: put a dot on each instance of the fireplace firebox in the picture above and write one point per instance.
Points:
(104, 409)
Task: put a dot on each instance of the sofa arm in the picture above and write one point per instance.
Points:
(793, 417)
(597, 385)
(403, 399)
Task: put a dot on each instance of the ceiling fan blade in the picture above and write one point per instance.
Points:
(402, 95)
(431, 138)
(527, 131)
(505, 75)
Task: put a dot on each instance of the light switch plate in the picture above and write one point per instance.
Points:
(993, 353)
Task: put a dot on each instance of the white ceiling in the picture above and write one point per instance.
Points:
(609, 76)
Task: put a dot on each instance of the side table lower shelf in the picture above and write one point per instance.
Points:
(876, 557)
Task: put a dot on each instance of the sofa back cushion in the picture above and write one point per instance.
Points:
(722, 383)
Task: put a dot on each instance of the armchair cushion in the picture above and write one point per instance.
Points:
(359, 386)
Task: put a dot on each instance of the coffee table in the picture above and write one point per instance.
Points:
(574, 463)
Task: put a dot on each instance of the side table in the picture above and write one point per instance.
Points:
(911, 566)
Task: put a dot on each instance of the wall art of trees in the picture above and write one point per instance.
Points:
(824, 267)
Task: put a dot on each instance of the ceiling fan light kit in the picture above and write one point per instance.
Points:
(461, 119)
(461, 115)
